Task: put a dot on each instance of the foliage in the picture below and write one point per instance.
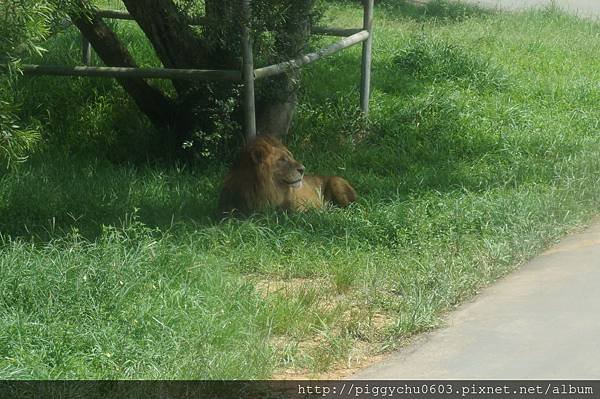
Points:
(25, 25)
(15, 141)
(280, 30)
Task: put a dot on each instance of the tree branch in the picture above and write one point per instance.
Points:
(150, 100)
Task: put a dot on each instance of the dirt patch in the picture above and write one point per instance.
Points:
(352, 344)
(290, 286)
(361, 356)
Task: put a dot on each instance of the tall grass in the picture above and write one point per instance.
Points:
(481, 150)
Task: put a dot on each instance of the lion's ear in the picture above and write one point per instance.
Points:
(258, 154)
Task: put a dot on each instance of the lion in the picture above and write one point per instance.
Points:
(266, 175)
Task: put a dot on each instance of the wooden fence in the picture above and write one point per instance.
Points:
(248, 73)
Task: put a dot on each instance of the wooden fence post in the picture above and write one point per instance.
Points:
(248, 74)
(365, 84)
(86, 51)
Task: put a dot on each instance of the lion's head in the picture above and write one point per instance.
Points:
(274, 162)
(265, 175)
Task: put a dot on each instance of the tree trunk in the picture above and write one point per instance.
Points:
(276, 112)
(172, 38)
(275, 117)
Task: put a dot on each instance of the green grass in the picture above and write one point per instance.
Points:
(482, 149)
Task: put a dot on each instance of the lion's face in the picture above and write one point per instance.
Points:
(273, 159)
(286, 170)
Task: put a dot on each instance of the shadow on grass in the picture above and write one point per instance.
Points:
(49, 197)
(424, 134)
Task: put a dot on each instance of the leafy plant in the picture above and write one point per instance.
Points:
(25, 24)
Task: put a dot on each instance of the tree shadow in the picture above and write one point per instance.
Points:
(424, 134)
(50, 197)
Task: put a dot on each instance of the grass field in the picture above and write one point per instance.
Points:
(482, 149)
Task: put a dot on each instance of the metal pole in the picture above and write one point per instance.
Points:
(123, 72)
(248, 74)
(86, 51)
(365, 83)
(305, 59)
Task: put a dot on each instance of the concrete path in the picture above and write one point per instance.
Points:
(583, 8)
(540, 322)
